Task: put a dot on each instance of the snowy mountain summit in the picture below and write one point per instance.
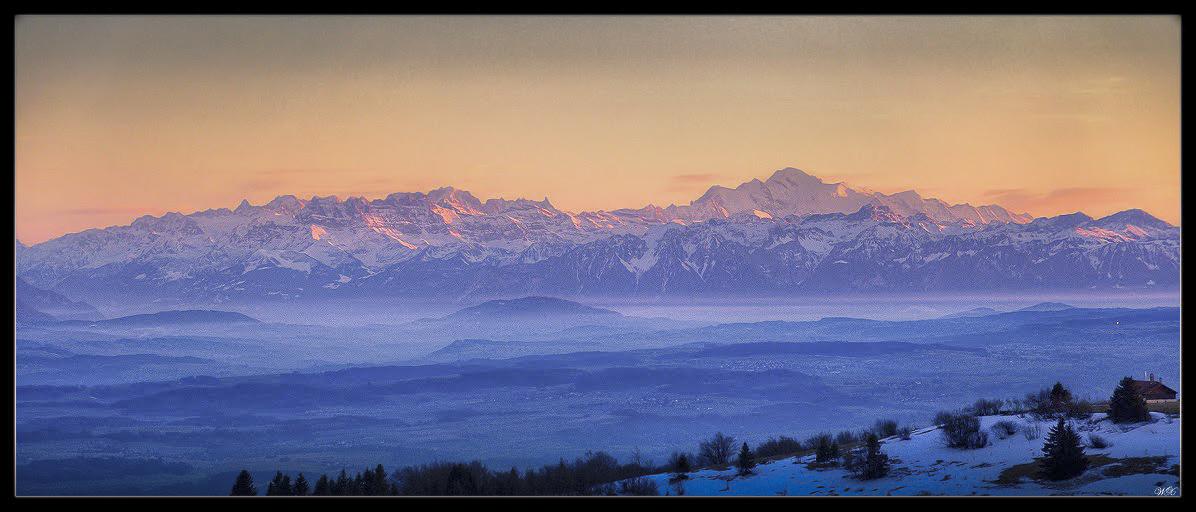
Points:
(791, 233)
(791, 191)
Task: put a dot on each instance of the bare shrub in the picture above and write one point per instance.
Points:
(885, 428)
(942, 417)
(1032, 431)
(782, 445)
(1098, 442)
(717, 450)
(813, 441)
(1015, 406)
(638, 486)
(986, 407)
(963, 431)
(1079, 409)
(1004, 429)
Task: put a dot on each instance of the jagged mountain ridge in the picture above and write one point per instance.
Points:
(791, 233)
(791, 191)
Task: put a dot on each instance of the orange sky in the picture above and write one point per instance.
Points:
(122, 116)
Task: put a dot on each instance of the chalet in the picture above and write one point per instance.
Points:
(1153, 390)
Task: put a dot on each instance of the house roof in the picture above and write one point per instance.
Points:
(1153, 389)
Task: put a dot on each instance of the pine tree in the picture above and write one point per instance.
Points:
(827, 451)
(1061, 399)
(366, 487)
(461, 482)
(1064, 455)
(378, 484)
(873, 464)
(746, 460)
(323, 486)
(341, 487)
(244, 485)
(355, 486)
(279, 486)
(1127, 405)
(682, 468)
(301, 486)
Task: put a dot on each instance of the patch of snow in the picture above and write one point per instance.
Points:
(923, 464)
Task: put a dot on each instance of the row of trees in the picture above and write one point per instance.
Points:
(373, 482)
(594, 474)
(1125, 406)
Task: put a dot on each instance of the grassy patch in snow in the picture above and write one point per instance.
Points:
(1168, 408)
(1137, 466)
(1171, 408)
(822, 466)
(1013, 475)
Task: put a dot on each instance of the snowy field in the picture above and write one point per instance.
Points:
(924, 465)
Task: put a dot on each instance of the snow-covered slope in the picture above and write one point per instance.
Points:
(789, 234)
(923, 465)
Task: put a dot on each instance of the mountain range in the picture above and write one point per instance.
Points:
(790, 234)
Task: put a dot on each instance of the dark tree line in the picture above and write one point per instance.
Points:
(599, 473)
(596, 473)
(593, 474)
(370, 482)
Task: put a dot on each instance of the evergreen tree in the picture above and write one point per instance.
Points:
(1127, 405)
(279, 486)
(1059, 393)
(1064, 454)
(872, 463)
(244, 485)
(367, 483)
(378, 485)
(827, 451)
(355, 487)
(301, 486)
(746, 460)
(341, 487)
(1061, 399)
(323, 486)
(508, 483)
(682, 467)
(461, 482)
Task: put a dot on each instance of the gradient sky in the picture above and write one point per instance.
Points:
(122, 116)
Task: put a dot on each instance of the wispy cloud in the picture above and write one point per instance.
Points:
(698, 179)
(691, 182)
(89, 212)
(1068, 198)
